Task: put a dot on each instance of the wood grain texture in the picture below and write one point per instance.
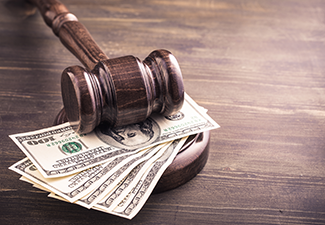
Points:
(257, 66)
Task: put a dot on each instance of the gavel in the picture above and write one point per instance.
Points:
(122, 90)
(118, 91)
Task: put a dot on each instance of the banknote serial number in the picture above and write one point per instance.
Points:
(63, 141)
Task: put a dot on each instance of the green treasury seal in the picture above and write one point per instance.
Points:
(72, 147)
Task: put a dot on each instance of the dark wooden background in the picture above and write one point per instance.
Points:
(258, 66)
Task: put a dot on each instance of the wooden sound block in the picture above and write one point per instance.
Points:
(189, 161)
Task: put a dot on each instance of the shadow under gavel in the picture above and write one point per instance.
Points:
(121, 91)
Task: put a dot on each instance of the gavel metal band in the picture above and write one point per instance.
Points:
(60, 20)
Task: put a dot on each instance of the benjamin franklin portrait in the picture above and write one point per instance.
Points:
(131, 136)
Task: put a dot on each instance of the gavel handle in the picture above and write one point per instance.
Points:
(73, 34)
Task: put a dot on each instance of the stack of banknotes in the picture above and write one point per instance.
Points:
(113, 170)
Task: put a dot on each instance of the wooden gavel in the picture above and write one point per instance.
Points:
(118, 91)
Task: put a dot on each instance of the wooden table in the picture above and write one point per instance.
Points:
(257, 66)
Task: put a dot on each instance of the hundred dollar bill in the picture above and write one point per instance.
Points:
(126, 185)
(127, 202)
(75, 186)
(133, 201)
(132, 181)
(58, 151)
(111, 183)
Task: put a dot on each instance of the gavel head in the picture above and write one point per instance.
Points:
(122, 91)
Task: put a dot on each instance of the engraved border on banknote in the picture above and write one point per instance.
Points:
(25, 163)
(186, 131)
(85, 164)
(22, 166)
(43, 134)
(99, 175)
(144, 186)
(116, 175)
(150, 176)
(124, 184)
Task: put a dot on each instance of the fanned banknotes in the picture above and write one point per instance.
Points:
(129, 193)
(59, 151)
(75, 186)
(113, 170)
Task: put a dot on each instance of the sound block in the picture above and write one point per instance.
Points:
(189, 161)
